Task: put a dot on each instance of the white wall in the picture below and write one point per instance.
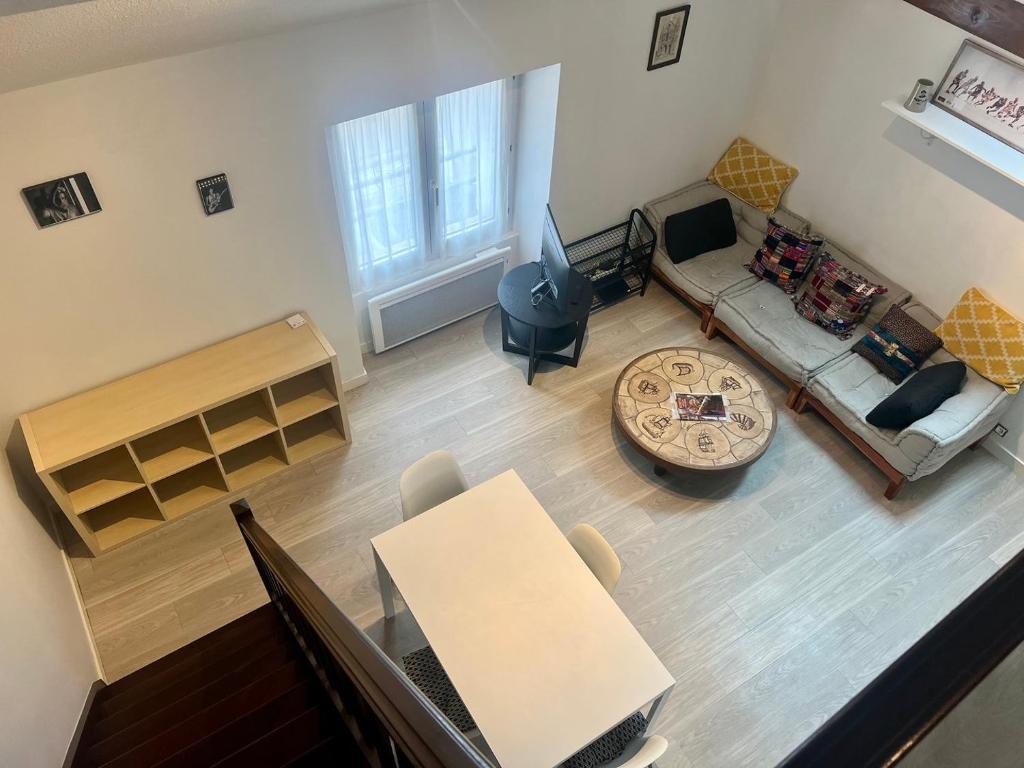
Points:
(150, 277)
(45, 657)
(929, 218)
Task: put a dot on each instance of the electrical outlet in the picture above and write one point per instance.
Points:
(1000, 430)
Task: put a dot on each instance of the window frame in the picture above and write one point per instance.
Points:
(435, 257)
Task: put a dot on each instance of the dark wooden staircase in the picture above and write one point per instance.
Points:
(245, 695)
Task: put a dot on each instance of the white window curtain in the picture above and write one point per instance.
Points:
(423, 186)
(380, 193)
(471, 172)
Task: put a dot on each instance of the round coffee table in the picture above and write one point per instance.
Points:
(643, 410)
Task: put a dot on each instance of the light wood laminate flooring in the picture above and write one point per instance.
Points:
(772, 594)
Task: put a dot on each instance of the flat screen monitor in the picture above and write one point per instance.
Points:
(554, 261)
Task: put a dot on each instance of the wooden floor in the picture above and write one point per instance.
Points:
(772, 594)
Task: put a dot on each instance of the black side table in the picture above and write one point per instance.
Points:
(539, 332)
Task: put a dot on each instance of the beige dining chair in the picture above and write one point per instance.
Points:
(430, 481)
(597, 554)
(640, 753)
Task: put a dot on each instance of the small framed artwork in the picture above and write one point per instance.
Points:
(215, 194)
(985, 89)
(60, 200)
(667, 40)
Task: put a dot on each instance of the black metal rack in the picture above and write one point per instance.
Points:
(617, 260)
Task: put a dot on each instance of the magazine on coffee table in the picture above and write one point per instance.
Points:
(699, 406)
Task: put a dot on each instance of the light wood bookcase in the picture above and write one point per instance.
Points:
(127, 457)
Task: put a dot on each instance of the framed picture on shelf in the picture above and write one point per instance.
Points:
(215, 194)
(985, 89)
(60, 200)
(667, 39)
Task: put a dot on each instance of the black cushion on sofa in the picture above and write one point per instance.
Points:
(699, 230)
(919, 396)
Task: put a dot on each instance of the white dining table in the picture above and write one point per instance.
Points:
(541, 655)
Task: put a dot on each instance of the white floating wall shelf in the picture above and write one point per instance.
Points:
(938, 123)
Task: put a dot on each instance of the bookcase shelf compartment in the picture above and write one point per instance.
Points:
(254, 461)
(240, 421)
(99, 479)
(126, 457)
(312, 436)
(123, 519)
(304, 395)
(172, 449)
(191, 489)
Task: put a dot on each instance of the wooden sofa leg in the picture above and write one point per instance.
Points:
(895, 486)
(712, 328)
(978, 443)
(794, 397)
(705, 318)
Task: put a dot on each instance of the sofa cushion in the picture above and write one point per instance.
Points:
(987, 338)
(836, 297)
(763, 317)
(897, 344)
(705, 228)
(785, 257)
(919, 396)
(708, 276)
(753, 175)
(852, 387)
(895, 295)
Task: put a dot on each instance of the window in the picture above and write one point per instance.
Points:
(424, 185)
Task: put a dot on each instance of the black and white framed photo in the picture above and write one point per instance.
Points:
(986, 90)
(60, 200)
(215, 194)
(667, 40)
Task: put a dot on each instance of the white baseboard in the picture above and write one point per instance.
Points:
(1004, 454)
(355, 381)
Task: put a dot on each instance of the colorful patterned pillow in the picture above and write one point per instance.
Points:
(897, 345)
(987, 338)
(753, 175)
(785, 258)
(836, 298)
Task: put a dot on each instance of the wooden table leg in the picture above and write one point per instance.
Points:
(387, 591)
(581, 331)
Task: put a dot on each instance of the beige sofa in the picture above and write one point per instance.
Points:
(819, 368)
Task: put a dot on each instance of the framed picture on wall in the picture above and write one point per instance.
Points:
(60, 200)
(215, 194)
(667, 39)
(986, 90)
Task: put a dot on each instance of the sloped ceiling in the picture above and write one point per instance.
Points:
(46, 40)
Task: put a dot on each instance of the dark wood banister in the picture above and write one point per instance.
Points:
(393, 721)
(894, 713)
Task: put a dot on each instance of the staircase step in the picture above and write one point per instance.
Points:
(131, 726)
(248, 625)
(335, 751)
(188, 731)
(224, 742)
(286, 743)
(188, 673)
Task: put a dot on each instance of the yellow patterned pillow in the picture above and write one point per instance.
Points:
(987, 338)
(753, 175)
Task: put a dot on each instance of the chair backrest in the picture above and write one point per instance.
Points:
(430, 481)
(641, 753)
(597, 554)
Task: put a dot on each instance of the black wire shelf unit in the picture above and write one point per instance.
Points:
(617, 260)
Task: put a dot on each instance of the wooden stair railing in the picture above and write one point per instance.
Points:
(394, 724)
(889, 718)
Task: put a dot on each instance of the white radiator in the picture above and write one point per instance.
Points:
(408, 312)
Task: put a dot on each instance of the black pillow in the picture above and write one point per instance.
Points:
(699, 230)
(919, 396)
